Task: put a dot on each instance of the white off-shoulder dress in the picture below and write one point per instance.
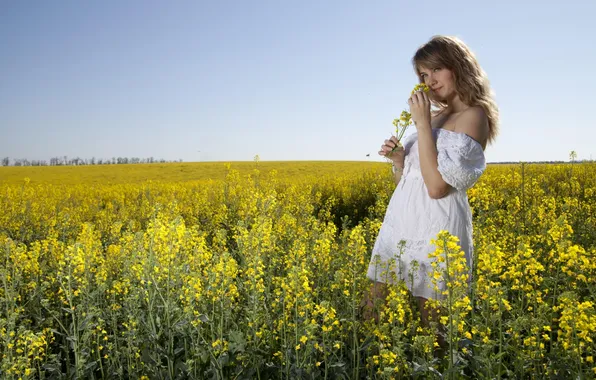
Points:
(413, 218)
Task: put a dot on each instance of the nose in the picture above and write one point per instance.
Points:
(431, 80)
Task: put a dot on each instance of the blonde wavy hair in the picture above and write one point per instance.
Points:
(471, 82)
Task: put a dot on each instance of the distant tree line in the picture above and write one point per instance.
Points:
(65, 161)
(539, 162)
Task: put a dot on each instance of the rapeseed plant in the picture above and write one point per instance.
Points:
(259, 275)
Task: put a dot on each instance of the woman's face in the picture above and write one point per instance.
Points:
(440, 80)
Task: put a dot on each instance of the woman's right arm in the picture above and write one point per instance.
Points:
(397, 172)
(394, 150)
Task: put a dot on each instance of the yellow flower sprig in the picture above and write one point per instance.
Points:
(405, 119)
(420, 86)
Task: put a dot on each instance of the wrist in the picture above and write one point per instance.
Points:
(396, 168)
(423, 126)
(397, 164)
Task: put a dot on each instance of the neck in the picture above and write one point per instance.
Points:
(455, 105)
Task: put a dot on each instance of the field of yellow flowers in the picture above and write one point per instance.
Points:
(258, 276)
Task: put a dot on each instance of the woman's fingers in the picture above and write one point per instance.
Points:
(391, 145)
(387, 151)
(392, 142)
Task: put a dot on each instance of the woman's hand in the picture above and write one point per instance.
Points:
(420, 108)
(393, 150)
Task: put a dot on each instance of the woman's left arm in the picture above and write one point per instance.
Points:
(427, 150)
(472, 121)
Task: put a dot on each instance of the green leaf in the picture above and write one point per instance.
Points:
(237, 342)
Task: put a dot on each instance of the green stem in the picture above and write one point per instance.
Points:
(99, 357)
(500, 337)
(451, 364)
(355, 346)
(74, 324)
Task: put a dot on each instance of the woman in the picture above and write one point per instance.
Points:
(434, 167)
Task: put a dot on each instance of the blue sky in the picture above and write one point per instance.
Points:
(287, 80)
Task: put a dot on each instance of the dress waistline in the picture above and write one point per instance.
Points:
(410, 175)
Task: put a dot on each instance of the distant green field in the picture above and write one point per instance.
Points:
(179, 172)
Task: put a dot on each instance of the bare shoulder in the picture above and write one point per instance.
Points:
(474, 123)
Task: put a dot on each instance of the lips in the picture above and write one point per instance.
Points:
(437, 89)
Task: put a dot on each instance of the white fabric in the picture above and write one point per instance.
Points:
(414, 218)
